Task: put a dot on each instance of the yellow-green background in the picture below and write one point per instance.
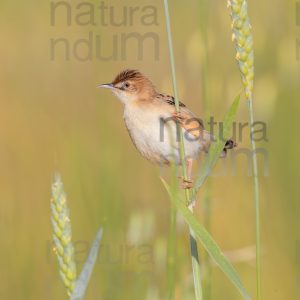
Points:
(53, 118)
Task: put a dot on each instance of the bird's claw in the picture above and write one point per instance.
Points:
(186, 183)
(177, 117)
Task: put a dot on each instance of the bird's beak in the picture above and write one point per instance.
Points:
(106, 86)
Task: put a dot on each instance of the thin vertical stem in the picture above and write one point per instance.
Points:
(193, 243)
(206, 102)
(171, 268)
(241, 35)
(171, 255)
(256, 200)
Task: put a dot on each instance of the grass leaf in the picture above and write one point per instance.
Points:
(207, 241)
(217, 147)
(83, 280)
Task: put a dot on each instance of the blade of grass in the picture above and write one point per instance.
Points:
(207, 241)
(84, 278)
(193, 244)
(216, 148)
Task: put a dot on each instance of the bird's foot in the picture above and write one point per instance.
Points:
(186, 183)
(177, 117)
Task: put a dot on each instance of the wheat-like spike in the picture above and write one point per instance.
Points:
(241, 35)
(62, 235)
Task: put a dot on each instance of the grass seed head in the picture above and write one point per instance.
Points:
(242, 37)
(62, 235)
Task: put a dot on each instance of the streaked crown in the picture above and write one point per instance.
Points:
(133, 85)
(128, 74)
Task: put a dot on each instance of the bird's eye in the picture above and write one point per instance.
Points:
(126, 85)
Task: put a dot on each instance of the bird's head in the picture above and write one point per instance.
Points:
(131, 85)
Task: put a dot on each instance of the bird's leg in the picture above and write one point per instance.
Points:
(189, 165)
(188, 183)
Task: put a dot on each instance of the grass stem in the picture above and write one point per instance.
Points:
(242, 36)
(193, 243)
(171, 255)
(257, 202)
(171, 269)
(206, 200)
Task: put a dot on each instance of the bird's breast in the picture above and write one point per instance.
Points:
(154, 134)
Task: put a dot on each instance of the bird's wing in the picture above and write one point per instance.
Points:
(168, 99)
(193, 125)
(187, 120)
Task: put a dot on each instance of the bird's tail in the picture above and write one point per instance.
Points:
(230, 144)
(208, 139)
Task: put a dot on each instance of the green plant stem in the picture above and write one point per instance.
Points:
(171, 253)
(195, 265)
(256, 200)
(193, 243)
(241, 35)
(171, 256)
(206, 200)
(207, 223)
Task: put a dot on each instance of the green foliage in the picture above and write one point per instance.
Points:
(199, 231)
(216, 148)
(207, 241)
(83, 280)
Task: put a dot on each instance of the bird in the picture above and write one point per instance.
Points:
(152, 122)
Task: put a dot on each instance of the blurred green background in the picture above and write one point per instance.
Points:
(52, 118)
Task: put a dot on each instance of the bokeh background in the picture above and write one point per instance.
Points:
(52, 118)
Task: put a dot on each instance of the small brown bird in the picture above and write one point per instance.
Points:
(150, 118)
